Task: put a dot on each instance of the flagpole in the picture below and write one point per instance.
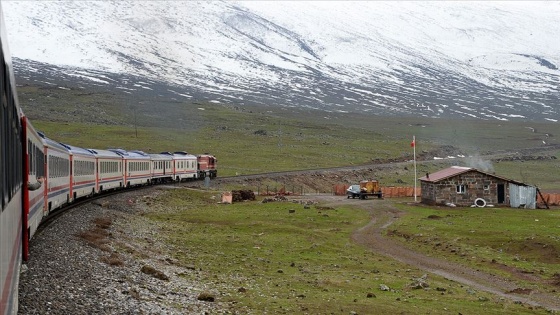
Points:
(414, 148)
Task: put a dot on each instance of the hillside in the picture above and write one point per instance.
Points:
(483, 60)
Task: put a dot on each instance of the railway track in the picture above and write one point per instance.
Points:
(55, 215)
(392, 163)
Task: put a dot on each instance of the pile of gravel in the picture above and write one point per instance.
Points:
(105, 258)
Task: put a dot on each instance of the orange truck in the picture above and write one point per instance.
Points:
(364, 189)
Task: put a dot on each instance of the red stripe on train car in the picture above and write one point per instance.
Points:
(59, 187)
(110, 178)
(85, 182)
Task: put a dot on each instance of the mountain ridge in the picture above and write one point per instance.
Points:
(432, 59)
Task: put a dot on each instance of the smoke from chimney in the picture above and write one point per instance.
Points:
(480, 164)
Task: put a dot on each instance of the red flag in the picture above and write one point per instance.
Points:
(413, 143)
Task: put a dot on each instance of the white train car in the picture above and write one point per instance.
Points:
(162, 168)
(34, 199)
(11, 181)
(137, 167)
(82, 172)
(185, 166)
(110, 171)
(57, 179)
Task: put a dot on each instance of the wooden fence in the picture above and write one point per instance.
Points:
(388, 192)
(551, 199)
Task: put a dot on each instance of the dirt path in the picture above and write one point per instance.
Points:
(373, 237)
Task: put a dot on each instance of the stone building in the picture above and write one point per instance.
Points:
(466, 186)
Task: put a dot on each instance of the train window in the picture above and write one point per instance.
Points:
(10, 141)
(5, 145)
(30, 163)
(40, 162)
(3, 148)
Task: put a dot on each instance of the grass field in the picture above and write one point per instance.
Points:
(488, 238)
(260, 140)
(261, 258)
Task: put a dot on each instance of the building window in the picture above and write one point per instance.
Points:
(461, 189)
(486, 187)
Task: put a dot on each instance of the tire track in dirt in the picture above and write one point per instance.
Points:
(372, 237)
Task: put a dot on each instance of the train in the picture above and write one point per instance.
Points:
(39, 175)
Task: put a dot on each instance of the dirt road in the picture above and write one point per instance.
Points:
(373, 236)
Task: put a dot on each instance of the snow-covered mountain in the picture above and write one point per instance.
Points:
(490, 60)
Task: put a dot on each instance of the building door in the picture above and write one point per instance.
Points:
(501, 193)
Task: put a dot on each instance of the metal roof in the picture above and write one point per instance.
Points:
(446, 173)
(457, 170)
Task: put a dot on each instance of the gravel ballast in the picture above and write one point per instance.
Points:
(106, 258)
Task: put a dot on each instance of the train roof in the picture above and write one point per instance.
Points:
(52, 144)
(131, 154)
(156, 156)
(104, 153)
(183, 155)
(76, 150)
(179, 155)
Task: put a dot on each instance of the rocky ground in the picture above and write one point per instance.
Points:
(105, 258)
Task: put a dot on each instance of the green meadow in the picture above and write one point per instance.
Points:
(486, 238)
(262, 140)
(281, 258)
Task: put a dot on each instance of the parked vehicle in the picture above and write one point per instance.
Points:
(364, 189)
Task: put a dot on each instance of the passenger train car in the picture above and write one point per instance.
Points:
(12, 177)
(68, 173)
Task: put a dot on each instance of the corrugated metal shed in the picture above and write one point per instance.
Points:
(522, 196)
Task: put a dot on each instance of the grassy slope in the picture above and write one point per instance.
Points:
(257, 140)
(500, 240)
(264, 259)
